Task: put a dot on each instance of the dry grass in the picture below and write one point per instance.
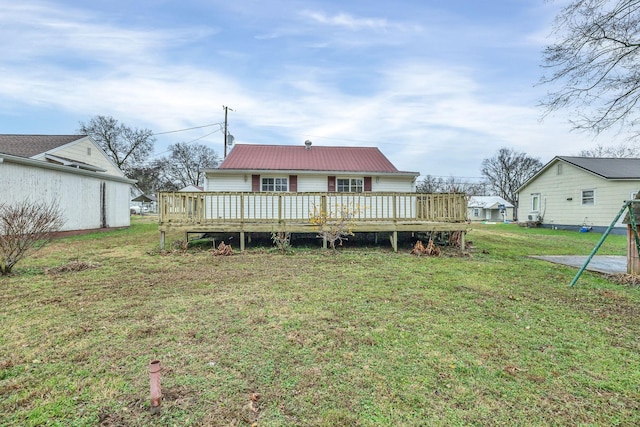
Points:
(357, 337)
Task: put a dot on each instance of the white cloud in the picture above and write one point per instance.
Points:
(346, 21)
(427, 115)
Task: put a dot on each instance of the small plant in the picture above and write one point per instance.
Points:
(334, 226)
(180, 245)
(223, 250)
(282, 240)
(24, 228)
(430, 250)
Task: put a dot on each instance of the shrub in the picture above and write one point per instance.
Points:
(24, 228)
(282, 240)
(334, 226)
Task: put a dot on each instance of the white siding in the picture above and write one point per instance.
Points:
(227, 182)
(77, 196)
(307, 182)
(312, 183)
(79, 151)
(560, 197)
(386, 184)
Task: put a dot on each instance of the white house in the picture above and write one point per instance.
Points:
(489, 208)
(572, 192)
(287, 168)
(69, 170)
(191, 188)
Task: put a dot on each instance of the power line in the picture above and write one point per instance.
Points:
(189, 142)
(183, 130)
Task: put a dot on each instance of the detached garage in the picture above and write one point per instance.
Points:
(69, 170)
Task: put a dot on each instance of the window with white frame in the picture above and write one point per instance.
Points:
(559, 169)
(476, 212)
(588, 197)
(275, 184)
(349, 185)
(535, 202)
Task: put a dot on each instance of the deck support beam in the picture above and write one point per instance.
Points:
(394, 240)
(242, 241)
(162, 237)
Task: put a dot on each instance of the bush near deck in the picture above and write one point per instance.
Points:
(359, 336)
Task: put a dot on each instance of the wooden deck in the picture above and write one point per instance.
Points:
(255, 212)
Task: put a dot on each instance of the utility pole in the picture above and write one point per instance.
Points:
(226, 112)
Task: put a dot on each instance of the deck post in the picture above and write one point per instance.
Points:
(394, 240)
(162, 240)
(462, 242)
(242, 241)
(324, 242)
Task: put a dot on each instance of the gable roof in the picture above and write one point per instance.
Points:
(488, 202)
(607, 168)
(301, 158)
(611, 168)
(32, 145)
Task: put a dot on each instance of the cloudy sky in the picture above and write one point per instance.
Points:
(437, 85)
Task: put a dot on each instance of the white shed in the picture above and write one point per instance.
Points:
(489, 208)
(71, 171)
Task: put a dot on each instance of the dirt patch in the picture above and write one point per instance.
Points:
(71, 267)
(625, 279)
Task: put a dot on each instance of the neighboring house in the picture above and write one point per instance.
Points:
(288, 168)
(489, 208)
(572, 192)
(191, 188)
(69, 170)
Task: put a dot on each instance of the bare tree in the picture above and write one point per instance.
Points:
(621, 150)
(507, 171)
(153, 177)
(186, 163)
(432, 184)
(127, 147)
(595, 61)
(24, 228)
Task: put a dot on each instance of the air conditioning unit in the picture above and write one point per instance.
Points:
(534, 216)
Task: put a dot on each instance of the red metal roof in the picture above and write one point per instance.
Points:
(292, 157)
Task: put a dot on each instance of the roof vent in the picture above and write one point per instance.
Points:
(307, 144)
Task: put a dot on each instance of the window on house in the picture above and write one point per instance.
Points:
(88, 151)
(559, 169)
(588, 197)
(275, 184)
(535, 202)
(476, 212)
(352, 185)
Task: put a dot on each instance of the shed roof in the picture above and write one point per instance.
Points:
(32, 145)
(488, 202)
(608, 168)
(316, 158)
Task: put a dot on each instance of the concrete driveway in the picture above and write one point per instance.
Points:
(609, 264)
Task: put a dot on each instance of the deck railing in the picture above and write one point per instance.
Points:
(235, 207)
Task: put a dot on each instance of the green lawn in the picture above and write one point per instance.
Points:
(362, 336)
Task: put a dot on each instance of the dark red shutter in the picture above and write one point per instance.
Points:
(331, 184)
(367, 183)
(255, 182)
(293, 182)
